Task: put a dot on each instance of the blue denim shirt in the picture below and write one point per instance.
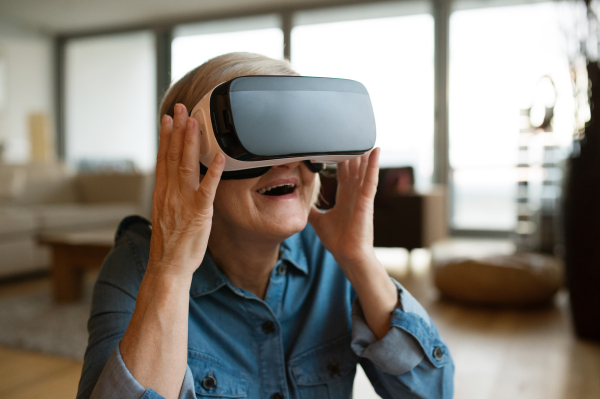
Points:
(303, 340)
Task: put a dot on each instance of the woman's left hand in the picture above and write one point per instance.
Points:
(346, 230)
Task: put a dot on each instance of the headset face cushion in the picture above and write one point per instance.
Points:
(257, 172)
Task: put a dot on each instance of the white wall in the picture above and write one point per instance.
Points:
(29, 87)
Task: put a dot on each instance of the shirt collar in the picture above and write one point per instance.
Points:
(292, 251)
(209, 278)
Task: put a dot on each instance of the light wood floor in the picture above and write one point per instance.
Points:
(512, 354)
(25, 375)
(499, 354)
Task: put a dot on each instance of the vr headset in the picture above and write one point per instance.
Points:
(261, 121)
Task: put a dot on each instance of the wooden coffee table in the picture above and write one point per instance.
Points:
(72, 254)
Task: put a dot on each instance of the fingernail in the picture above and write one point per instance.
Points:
(165, 118)
(219, 158)
(190, 123)
(178, 108)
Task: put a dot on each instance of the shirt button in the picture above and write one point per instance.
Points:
(438, 353)
(209, 382)
(334, 369)
(282, 269)
(268, 327)
(277, 395)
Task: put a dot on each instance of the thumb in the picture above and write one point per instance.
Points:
(315, 217)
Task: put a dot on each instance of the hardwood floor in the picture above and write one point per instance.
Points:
(25, 375)
(513, 354)
(499, 354)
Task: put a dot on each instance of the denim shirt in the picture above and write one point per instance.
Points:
(303, 340)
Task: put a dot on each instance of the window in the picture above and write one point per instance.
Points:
(110, 99)
(195, 43)
(499, 51)
(389, 48)
(497, 58)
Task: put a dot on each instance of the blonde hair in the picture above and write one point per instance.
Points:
(196, 83)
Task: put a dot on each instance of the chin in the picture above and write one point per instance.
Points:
(273, 210)
(285, 224)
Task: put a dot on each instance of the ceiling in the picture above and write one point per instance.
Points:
(72, 16)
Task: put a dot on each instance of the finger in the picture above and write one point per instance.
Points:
(372, 174)
(364, 162)
(166, 128)
(315, 218)
(189, 169)
(344, 180)
(176, 146)
(342, 171)
(353, 167)
(208, 187)
(348, 189)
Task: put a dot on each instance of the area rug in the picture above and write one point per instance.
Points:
(32, 321)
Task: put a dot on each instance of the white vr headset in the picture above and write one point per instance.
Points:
(261, 121)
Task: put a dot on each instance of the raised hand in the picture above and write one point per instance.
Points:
(346, 230)
(154, 347)
(182, 205)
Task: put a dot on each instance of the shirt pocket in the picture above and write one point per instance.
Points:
(326, 371)
(214, 380)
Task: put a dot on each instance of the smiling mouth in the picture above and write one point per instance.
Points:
(280, 189)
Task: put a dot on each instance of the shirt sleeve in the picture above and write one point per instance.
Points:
(411, 360)
(117, 382)
(104, 374)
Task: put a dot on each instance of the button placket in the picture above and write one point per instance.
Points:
(334, 369)
(268, 327)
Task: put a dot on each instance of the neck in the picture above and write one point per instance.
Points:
(247, 262)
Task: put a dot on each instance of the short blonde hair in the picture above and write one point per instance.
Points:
(196, 83)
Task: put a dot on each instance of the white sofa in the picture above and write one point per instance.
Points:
(40, 198)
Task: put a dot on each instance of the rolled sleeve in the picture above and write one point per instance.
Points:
(116, 382)
(411, 338)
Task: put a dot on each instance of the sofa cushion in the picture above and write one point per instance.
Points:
(114, 187)
(17, 221)
(47, 183)
(12, 183)
(62, 217)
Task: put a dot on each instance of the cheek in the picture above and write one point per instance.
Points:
(231, 198)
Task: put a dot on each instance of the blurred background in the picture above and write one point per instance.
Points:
(487, 208)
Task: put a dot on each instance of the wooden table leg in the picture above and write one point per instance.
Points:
(67, 277)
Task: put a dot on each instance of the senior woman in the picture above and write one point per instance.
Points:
(229, 293)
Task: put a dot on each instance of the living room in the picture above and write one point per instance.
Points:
(486, 205)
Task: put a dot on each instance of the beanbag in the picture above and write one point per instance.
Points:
(519, 279)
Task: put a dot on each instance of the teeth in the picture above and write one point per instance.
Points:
(265, 189)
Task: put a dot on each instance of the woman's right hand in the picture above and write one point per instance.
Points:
(182, 205)
(154, 347)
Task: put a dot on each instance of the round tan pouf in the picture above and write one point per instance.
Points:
(519, 279)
